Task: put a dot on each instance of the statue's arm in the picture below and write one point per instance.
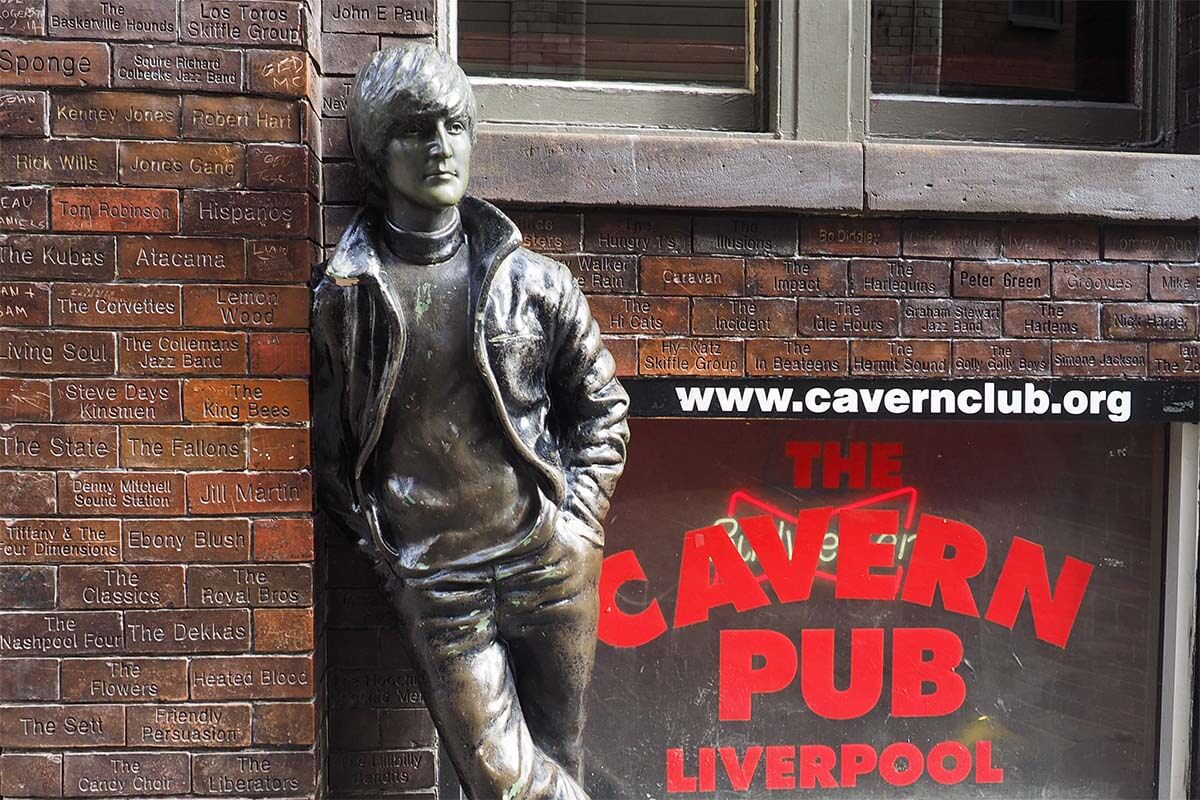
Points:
(332, 457)
(591, 408)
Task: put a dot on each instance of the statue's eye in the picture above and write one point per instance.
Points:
(456, 127)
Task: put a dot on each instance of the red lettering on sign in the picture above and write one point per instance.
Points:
(1024, 572)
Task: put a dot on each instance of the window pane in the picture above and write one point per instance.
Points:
(667, 41)
(1056, 699)
(1016, 49)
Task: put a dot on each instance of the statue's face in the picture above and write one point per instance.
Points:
(429, 160)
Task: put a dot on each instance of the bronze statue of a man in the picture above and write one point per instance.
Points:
(469, 431)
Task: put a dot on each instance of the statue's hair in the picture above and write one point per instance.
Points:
(396, 87)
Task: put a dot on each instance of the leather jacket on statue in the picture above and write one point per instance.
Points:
(536, 348)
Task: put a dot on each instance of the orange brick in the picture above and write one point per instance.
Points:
(279, 448)
(283, 630)
(279, 354)
(283, 540)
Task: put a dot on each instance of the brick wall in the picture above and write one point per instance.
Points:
(156, 631)
(1187, 87)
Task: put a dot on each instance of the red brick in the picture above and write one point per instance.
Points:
(760, 235)
(115, 210)
(1002, 358)
(547, 231)
(266, 22)
(29, 775)
(1175, 282)
(58, 161)
(22, 113)
(844, 236)
(181, 258)
(140, 20)
(699, 275)
(806, 277)
(39, 727)
(182, 164)
(999, 279)
(906, 358)
(285, 723)
(727, 316)
(240, 307)
(186, 540)
(875, 277)
(1175, 360)
(23, 400)
(1098, 359)
(624, 353)
(637, 233)
(828, 318)
(1053, 240)
(120, 587)
(26, 679)
(257, 401)
(335, 95)
(241, 773)
(281, 354)
(282, 166)
(1041, 320)
(24, 209)
(26, 588)
(155, 494)
(36, 352)
(283, 630)
(951, 238)
(27, 493)
(701, 357)
(279, 260)
(255, 213)
(183, 447)
(58, 446)
(168, 68)
(24, 18)
(279, 448)
(800, 358)
(74, 64)
(183, 353)
(187, 631)
(281, 72)
(116, 114)
(116, 400)
(604, 273)
(1149, 321)
(1150, 242)
(60, 541)
(1100, 281)
(248, 493)
(24, 304)
(274, 677)
(649, 315)
(93, 305)
(127, 773)
(127, 680)
(240, 119)
(62, 257)
(283, 540)
(950, 318)
(190, 725)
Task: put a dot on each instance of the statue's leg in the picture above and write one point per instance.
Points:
(548, 615)
(463, 669)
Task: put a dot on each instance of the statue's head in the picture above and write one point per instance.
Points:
(412, 125)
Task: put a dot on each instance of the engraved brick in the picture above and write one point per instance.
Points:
(137, 20)
(183, 447)
(899, 278)
(1148, 321)
(1175, 282)
(258, 213)
(406, 727)
(844, 236)
(24, 304)
(26, 588)
(807, 358)
(361, 774)
(240, 119)
(907, 358)
(58, 161)
(126, 774)
(254, 773)
(282, 166)
(121, 587)
(91, 305)
(283, 630)
(279, 260)
(951, 239)
(1017, 358)
(550, 231)
(335, 95)
(60, 541)
(23, 400)
(1092, 280)
(248, 493)
(1150, 242)
(253, 585)
(650, 315)
(180, 353)
(30, 775)
(186, 540)
(283, 72)
(701, 357)
(998, 279)
(101, 493)
(24, 209)
(1052, 320)
(1098, 359)
(279, 354)
(61, 257)
(190, 725)
(210, 630)
(950, 318)
(124, 680)
(181, 258)
(624, 353)
(71, 64)
(285, 723)
(56, 353)
(23, 18)
(240, 307)
(726, 316)
(1053, 240)
(637, 233)
(182, 164)
(50, 446)
(28, 679)
(283, 540)
(60, 633)
(261, 401)
(407, 18)
(274, 677)
(375, 687)
(115, 210)
(262, 23)
(604, 273)
(117, 114)
(173, 68)
(116, 401)
(828, 318)
(33, 727)
(1175, 360)
(693, 276)
(744, 236)
(805, 277)
(22, 113)
(26, 493)
(278, 448)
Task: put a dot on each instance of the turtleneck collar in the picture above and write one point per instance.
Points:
(417, 247)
